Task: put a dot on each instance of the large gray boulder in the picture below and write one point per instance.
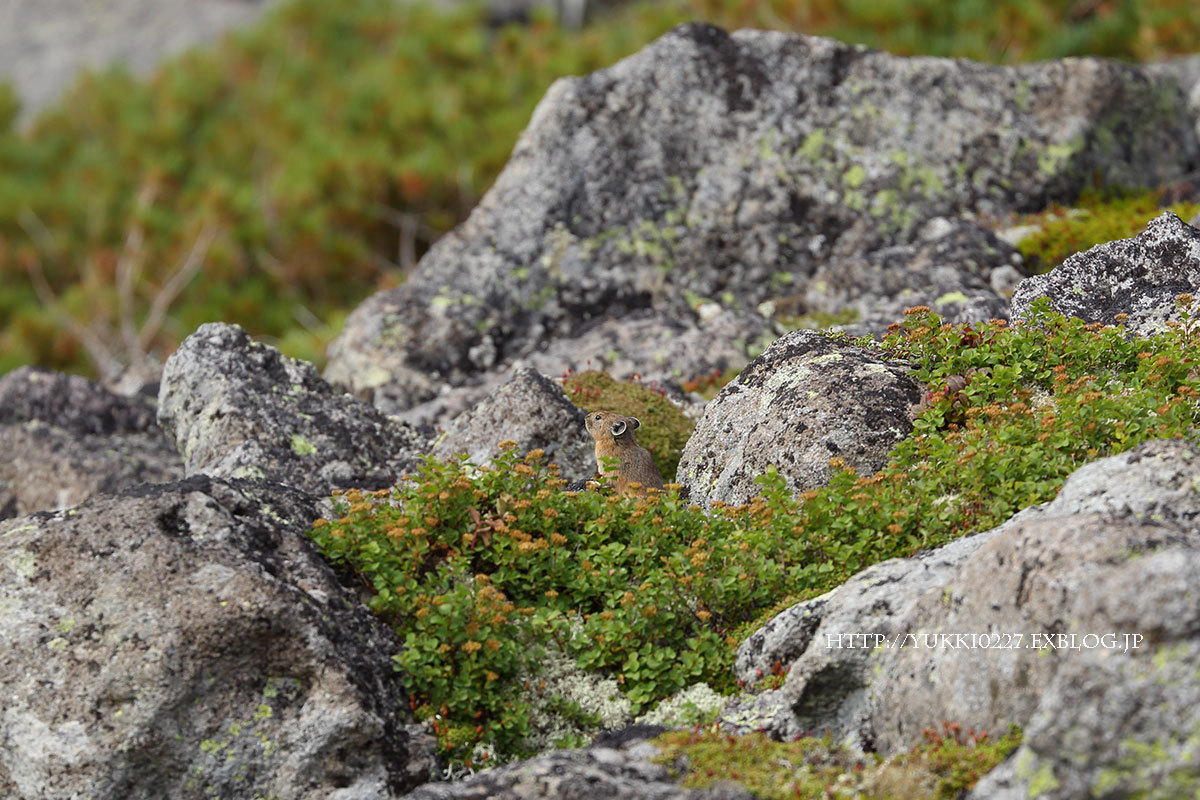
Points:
(1139, 277)
(533, 412)
(65, 438)
(187, 641)
(1061, 593)
(730, 168)
(806, 400)
(236, 408)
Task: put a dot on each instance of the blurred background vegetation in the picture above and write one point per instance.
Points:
(278, 177)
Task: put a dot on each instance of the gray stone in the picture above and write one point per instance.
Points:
(533, 412)
(187, 641)
(728, 168)
(66, 438)
(807, 399)
(1140, 277)
(647, 346)
(239, 409)
(958, 269)
(650, 346)
(623, 770)
(47, 469)
(1185, 70)
(72, 403)
(1116, 553)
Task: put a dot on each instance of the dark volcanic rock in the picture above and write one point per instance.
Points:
(1139, 277)
(66, 438)
(239, 409)
(187, 641)
(804, 401)
(72, 403)
(728, 168)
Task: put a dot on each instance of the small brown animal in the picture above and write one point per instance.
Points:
(614, 440)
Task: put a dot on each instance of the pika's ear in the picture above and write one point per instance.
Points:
(637, 423)
(618, 427)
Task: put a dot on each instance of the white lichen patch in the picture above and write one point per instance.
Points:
(696, 704)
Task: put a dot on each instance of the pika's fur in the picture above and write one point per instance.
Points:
(614, 439)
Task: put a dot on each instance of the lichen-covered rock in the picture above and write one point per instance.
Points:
(1116, 553)
(804, 401)
(958, 269)
(1185, 70)
(239, 409)
(65, 438)
(1140, 277)
(46, 468)
(72, 403)
(653, 347)
(721, 167)
(531, 411)
(187, 641)
(648, 346)
(621, 766)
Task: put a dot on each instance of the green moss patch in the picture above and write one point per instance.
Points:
(942, 768)
(1095, 219)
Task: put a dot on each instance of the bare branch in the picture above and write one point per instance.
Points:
(128, 268)
(175, 284)
(101, 356)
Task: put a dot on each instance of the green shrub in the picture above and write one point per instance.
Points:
(485, 571)
(1095, 218)
(942, 768)
(665, 428)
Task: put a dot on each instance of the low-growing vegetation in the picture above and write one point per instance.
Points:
(944, 766)
(1095, 218)
(485, 571)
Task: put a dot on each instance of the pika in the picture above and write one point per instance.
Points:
(614, 439)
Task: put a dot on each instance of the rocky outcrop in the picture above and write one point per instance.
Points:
(1097, 585)
(1139, 277)
(723, 168)
(65, 438)
(622, 766)
(804, 401)
(187, 640)
(236, 408)
(531, 411)
(958, 269)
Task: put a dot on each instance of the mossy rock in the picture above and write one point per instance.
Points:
(665, 429)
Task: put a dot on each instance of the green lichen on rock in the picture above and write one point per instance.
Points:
(301, 446)
(665, 428)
